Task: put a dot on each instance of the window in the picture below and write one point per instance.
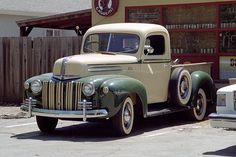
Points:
(112, 42)
(155, 45)
(49, 33)
(57, 33)
(228, 42)
(53, 33)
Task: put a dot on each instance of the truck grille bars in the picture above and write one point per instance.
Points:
(61, 96)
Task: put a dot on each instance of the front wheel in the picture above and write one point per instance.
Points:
(199, 111)
(46, 124)
(124, 119)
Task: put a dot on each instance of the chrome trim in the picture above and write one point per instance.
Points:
(93, 89)
(231, 116)
(66, 77)
(104, 68)
(31, 103)
(85, 105)
(26, 85)
(105, 89)
(61, 96)
(223, 120)
(63, 67)
(41, 86)
(98, 113)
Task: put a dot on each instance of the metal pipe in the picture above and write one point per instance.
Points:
(30, 108)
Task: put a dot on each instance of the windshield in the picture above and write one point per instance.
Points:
(111, 43)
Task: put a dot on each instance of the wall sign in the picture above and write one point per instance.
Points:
(227, 67)
(106, 7)
(144, 15)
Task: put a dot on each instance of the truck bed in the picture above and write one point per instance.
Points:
(203, 66)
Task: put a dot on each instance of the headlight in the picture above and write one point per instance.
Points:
(88, 89)
(105, 90)
(221, 100)
(26, 85)
(36, 86)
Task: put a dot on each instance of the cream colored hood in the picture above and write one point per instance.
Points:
(78, 65)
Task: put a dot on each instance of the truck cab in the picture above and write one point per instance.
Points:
(150, 47)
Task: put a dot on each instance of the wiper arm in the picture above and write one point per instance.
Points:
(108, 53)
(125, 51)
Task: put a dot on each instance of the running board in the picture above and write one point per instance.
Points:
(167, 110)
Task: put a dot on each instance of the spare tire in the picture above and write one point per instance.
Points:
(180, 87)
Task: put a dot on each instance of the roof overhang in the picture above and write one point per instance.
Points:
(78, 21)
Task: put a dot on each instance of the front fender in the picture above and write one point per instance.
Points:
(119, 89)
(202, 80)
(42, 77)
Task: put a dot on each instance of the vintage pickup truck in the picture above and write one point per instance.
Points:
(124, 71)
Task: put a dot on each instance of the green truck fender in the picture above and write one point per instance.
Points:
(202, 80)
(119, 89)
(42, 77)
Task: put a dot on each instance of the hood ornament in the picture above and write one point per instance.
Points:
(63, 67)
(62, 76)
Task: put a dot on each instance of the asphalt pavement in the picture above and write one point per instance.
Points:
(164, 136)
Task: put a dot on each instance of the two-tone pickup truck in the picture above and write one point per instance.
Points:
(124, 71)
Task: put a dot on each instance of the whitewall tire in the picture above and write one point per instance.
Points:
(123, 121)
(180, 87)
(198, 113)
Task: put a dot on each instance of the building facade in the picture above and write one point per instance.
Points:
(200, 30)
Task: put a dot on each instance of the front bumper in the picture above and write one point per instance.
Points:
(84, 113)
(223, 120)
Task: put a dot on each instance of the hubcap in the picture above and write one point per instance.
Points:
(127, 115)
(184, 87)
(199, 107)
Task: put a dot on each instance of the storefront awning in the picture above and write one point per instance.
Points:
(79, 21)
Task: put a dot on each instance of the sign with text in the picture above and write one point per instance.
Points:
(106, 7)
(227, 67)
(144, 15)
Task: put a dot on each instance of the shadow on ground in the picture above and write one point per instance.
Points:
(103, 131)
(227, 152)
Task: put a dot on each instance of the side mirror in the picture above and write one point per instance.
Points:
(148, 50)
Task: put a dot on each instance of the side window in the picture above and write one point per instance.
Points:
(154, 45)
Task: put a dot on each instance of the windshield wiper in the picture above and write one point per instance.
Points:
(126, 51)
(108, 53)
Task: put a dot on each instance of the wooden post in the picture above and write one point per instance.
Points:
(1, 70)
(25, 31)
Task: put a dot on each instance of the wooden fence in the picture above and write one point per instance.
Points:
(24, 57)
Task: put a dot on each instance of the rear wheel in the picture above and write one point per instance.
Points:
(199, 111)
(180, 86)
(124, 119)
(46, 124)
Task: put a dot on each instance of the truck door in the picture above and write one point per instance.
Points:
(155, 67)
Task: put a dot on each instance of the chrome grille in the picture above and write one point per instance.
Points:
(61, 96)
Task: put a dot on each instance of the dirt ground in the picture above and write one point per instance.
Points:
(11, 111)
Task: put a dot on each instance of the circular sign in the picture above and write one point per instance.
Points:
(106, 7)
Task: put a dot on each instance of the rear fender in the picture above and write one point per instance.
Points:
(202, 80)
